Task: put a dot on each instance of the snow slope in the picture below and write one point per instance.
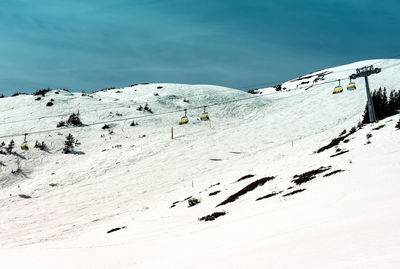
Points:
(132, 176)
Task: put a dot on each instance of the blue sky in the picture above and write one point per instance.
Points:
(89, 45)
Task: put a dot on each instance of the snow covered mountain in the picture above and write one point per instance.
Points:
(127, 197)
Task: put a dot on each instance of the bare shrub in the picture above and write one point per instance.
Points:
(193, 201)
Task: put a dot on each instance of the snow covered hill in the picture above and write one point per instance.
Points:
(123, 200)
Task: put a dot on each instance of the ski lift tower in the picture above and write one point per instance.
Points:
(365, 72)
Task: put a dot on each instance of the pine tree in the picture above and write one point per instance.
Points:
(365, 117)
(384, 106)
(379, 104)
(69, 144)
(61, 124)
(74, 120)
(392, 101)
(10, 146)
(369, 135)
(147, 108)
(41, 146)
(398, 125)
(2, 144)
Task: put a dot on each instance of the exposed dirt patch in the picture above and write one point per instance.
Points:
(213, 216)
(340, 153)
(214, 193)
(307, 176)
(336, 141)
(244, 177)
(268, 196)
(379, 127)
(246, 189)
(24, 196)
(334, 172)
(293, 192)
(319, 76)
(174, 204)
(213, 185)
(116, 229)
(177, 202)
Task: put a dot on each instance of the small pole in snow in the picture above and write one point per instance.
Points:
(192, 183)
(172, 132)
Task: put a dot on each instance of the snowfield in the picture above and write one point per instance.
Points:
(122, 200)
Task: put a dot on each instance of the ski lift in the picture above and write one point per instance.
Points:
(24, 145)
(338, 89)
(204, 116)
(184, 119)
(351, 86)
